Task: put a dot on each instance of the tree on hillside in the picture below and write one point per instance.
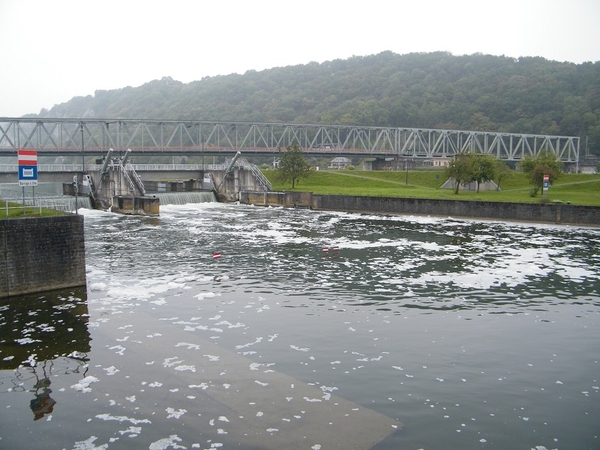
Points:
(420, 90)
(292, 165)
(535, 167)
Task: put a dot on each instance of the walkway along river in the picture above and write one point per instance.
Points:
(310, 329)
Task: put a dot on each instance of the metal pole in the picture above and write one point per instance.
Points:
(202, 149)
(23, 200)
(75, 190)
(82, 152)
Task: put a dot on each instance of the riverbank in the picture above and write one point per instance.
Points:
(531, 212)
(573, 188)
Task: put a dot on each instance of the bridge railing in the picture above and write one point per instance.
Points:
(77, 168)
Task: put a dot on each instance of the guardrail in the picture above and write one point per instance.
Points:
(12, 204)
(36, 205)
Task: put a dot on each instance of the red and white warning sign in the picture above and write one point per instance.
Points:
(27, 167)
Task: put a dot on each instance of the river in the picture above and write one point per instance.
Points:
(232, 326)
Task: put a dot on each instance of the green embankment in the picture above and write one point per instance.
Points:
(577, 189)
(15, 210)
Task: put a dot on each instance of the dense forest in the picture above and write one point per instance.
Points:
(429, 90)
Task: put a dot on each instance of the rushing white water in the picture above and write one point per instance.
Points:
(228, 326)
(182, 198)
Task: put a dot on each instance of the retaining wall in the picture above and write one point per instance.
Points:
(140, 206)
(41, 254)
(536, 212)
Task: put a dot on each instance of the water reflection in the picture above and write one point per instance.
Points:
(41, 336)
(42, 404)
(41, 327)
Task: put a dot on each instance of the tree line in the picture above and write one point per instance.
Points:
(464, 168)
(418, 90)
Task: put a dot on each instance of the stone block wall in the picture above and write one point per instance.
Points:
(530, 212)
(41, 254)
(286, 199)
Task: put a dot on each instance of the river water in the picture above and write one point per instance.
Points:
(311, 330)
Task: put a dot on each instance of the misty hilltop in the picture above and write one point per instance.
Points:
(418, 90)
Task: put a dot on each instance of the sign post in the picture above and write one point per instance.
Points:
(28, 173)
(545, 186)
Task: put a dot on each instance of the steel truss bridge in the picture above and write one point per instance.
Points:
(181, 137)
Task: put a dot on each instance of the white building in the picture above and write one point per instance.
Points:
(341, 162)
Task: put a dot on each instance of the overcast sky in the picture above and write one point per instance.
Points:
(53, 50)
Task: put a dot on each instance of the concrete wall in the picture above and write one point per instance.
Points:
(537, 212)
(41, 254)
(140, 206)
(285, 199)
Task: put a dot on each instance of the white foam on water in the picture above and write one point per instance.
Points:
(165, 443)
(84, 384)
(88, 444)
(186, 368)
(172, 413)
(112, 370)
(110, 417)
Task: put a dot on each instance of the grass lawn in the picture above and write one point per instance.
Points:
(578, 189)
(15, 210)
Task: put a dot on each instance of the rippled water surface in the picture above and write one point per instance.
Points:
(311, 330)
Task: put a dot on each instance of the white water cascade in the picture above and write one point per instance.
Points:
(181, 198)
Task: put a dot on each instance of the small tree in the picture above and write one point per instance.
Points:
(461, 169)
(470, 167)
(484, 168)
(502, 172)
(535, 167)
(292, 165)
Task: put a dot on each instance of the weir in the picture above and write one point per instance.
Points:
(117, 185)
(182, 198)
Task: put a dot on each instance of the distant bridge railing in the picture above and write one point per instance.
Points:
(151, 137)
(77, 168)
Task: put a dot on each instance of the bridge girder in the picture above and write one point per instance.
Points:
(160, 137)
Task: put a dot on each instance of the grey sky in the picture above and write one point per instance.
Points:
(55, 50)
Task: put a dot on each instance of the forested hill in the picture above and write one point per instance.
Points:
(428, 90)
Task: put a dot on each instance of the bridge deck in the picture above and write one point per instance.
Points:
(157, 137)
